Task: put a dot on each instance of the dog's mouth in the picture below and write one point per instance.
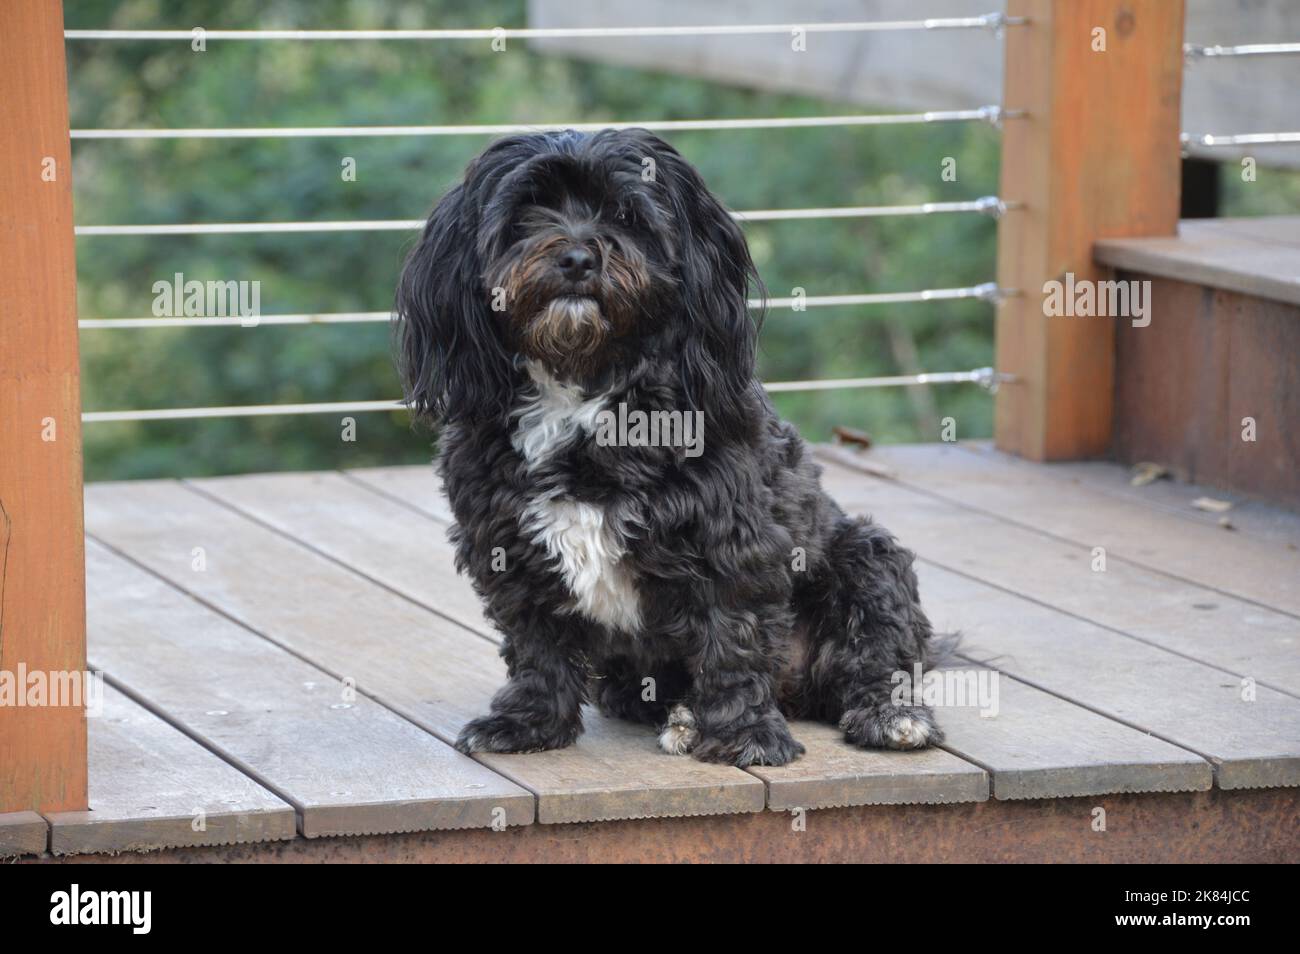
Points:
(571, 316)
(567, 331)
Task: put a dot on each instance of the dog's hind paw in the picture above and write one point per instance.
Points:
(890, 726)
(679, 736)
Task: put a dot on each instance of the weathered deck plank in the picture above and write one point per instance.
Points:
(1250, 569)
(432, 671)
(416, 487)
(365, 530)
(574, 784)
(1037, 745)
(1251, 743)
(1240, 637)
(388, 542)
(1250, 519)
(153, 787)
(400, 482)
(834, 774)
(347, 764)
(23, 833)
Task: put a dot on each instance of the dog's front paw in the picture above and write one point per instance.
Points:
(504, 733)
(890, 726)
(765, 743)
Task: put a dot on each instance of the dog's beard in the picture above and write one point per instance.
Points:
(573, 328)
(567, 334)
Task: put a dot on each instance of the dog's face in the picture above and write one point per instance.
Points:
(590, 254)
(579, 254)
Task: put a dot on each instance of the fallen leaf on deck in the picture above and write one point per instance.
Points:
(1147, 472)
(1211, 505)
(849, 435)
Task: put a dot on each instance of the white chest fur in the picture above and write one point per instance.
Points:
(585, 543)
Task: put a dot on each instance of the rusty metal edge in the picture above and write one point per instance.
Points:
(1255, 825)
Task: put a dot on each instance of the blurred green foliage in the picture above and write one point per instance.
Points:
(161, 84)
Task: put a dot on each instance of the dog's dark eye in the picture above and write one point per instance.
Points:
(628, 216)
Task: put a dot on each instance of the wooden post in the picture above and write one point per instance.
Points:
(1097, 156)
(42, 561)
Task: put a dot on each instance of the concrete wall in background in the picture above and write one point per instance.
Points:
(939, 69)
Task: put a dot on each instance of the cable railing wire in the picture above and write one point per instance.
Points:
(989, 291)
(1194, 52)
(993, 115)
(231, 321)
(987, 205)
(1240, 139)
(990, 21)
(239, 410)
(985, 377)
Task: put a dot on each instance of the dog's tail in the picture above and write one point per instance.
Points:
(941, 650)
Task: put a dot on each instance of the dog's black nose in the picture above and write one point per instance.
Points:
(577, 263)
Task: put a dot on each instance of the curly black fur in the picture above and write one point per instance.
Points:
(569, 273)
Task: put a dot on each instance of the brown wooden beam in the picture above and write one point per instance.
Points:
(1096, 156)
(42, 563)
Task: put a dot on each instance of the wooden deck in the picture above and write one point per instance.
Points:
(290, 655)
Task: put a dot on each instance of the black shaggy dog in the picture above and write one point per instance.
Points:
(703, 584)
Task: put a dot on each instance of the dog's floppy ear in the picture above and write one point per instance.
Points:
(718, 345)
(449, 352)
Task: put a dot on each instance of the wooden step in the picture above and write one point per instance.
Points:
(1252, 256)
(1208, 386)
